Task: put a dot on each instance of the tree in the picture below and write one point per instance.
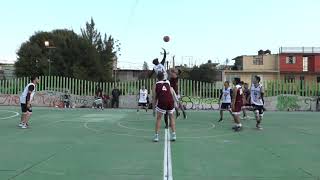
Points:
(205, 72)
(107, 49)
(92, 35)
(227, 61)
(145, 66)
(34, 57)
(83, 56)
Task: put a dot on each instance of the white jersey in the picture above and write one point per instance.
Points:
(143, 96)
(256, 97)
(160, 68)
(226, 95)
(23, 97)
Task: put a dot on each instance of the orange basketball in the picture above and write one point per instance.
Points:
(166, 38)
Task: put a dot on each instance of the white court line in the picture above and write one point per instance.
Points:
(16, 114)
(170, 176)
(165, 156)
(85, 125)
(167, 163)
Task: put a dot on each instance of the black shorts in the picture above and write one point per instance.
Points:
(24, 108)
(225, 106)
(258, 108)
(142, 104)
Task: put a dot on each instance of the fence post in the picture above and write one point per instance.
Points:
(1, 87)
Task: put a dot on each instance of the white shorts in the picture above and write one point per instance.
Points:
(165, 111)
(98, 101)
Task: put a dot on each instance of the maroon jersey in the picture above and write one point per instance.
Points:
(164, 96)
(238, 100)
(174, 84)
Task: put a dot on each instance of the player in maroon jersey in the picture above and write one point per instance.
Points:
(174, 82)
(246, 100)
(163, 102)
(237, 103)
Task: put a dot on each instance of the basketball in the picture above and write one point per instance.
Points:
(166, 38)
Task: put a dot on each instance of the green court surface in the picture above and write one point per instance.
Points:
(89, 144)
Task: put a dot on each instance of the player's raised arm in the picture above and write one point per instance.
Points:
(164, 57)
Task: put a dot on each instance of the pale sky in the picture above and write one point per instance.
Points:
(199, 29)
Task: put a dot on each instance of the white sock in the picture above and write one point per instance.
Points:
(239, 125)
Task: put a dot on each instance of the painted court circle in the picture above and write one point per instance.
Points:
(86, 126)
(15, 114)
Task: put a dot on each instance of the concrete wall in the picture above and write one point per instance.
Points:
(7, 71)
(247, 76)
(270, 62)
(131, 75)
(307, 77)
(276, 103)
(48, 99)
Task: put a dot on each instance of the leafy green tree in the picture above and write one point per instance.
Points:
(92, 35)
(84, 56)
(145, 66)
(205, 72)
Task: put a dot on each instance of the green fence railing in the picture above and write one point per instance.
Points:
(186, 87)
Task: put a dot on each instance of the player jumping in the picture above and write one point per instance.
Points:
(174, 82)
(159, 67)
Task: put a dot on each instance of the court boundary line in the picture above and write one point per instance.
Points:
(16, 114)
(170, 177)
(165, 156)
(167, 161)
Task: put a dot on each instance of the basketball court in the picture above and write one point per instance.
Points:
(84, 144)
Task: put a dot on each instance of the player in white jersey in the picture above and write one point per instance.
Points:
(225, 96)
(159, 67)
(25, 100)
(143, 99)
(257, 93)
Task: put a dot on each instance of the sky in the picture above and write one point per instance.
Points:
(199, 30)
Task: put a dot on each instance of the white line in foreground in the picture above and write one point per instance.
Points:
(167, 166)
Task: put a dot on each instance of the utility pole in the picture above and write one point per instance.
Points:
(47, 45)
(173, 63)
